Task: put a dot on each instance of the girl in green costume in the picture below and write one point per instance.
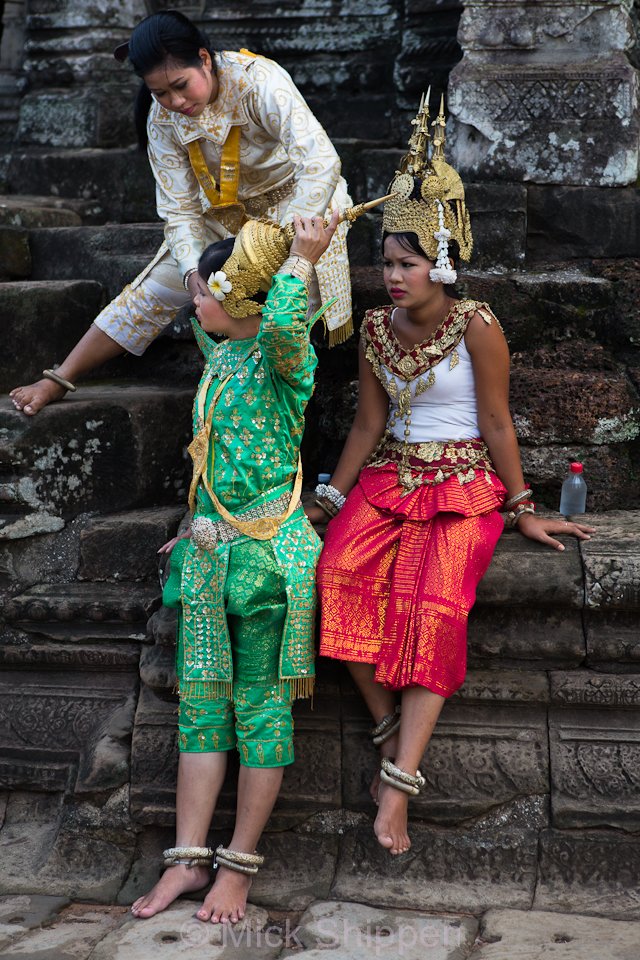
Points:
(246, 571)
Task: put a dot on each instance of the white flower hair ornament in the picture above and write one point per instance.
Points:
(443, 272)
(219, 285)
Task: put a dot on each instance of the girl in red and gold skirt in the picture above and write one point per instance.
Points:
(431, 460)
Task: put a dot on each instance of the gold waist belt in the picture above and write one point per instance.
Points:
(208, 533)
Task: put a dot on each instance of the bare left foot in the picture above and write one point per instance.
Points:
(390, 825)
(175, 881)
(226, 902)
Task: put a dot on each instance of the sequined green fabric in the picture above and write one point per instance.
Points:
(256, 431)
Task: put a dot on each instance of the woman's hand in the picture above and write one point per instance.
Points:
(196, 285)
(541, 528)
(170, 544)
(312, 237)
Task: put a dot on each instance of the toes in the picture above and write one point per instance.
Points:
(386, 840)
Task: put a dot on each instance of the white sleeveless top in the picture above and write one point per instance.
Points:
(446, 410)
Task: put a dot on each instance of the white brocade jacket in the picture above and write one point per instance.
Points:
(287, 165)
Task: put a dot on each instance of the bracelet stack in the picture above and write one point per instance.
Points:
(298, 267)
(329, 499)
(518, 505)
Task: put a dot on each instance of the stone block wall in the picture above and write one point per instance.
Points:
(532, 796)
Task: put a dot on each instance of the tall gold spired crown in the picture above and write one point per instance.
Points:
(428, 195)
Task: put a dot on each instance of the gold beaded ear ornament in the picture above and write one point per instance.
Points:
(428, 197)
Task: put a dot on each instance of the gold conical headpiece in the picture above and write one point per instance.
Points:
(428, 195)
(259, 250)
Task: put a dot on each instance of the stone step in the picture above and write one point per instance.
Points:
(43, 320)
(15, 255)
(112, 254)
(84, 611)
(105, 448)
(534, 307)
(115, 184)
(46, 318)
(26, 210)
(123, 546)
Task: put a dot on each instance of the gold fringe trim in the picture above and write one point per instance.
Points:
(300, 688)
(206, 689)
(341, 334)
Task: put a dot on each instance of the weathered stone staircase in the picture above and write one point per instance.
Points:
(532, 796)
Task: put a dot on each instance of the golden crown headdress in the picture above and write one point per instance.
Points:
(259, 250)
(428, 196)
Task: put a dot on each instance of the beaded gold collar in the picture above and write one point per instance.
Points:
(381, 345)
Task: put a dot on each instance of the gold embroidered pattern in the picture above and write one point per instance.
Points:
(382, 347)
(421, 464)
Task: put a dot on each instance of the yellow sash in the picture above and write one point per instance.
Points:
(264, 528)
(227, 194)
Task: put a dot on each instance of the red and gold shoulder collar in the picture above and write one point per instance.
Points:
(381, 345)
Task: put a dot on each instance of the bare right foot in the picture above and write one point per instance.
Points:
(34, 397)
(174, 881)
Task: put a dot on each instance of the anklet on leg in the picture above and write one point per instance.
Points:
(400, 779)
(248, 863)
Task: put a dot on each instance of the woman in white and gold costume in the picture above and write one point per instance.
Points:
(228, 136)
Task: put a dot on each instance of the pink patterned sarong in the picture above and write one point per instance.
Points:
(399, 572)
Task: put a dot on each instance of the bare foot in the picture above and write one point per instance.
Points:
(173, 882)
(390, 825)
(227, 900)
(36, 396)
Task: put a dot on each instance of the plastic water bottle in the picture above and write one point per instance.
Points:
(573, 498)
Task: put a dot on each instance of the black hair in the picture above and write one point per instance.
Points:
(214, 258)
(156, 39)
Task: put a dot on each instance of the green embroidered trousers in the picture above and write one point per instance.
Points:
(257, 718)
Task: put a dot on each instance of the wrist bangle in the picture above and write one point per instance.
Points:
(513, 516)
(324, 491)
(298, 267)
(518, 498)
(329, 508)
(185, 279)
(52, 375)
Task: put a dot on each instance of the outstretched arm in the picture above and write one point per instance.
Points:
(490, 357)
(284, 330)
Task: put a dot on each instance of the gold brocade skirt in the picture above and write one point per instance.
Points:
(399, 572)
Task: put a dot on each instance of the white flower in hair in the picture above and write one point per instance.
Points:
(219, 285)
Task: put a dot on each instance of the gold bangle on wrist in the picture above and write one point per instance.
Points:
(298, 267)
(52, 375)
